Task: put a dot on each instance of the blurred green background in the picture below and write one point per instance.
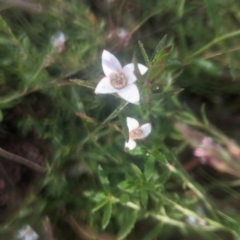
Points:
(181, 182)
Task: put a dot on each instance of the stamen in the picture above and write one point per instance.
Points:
(118, 81)
(136, 134)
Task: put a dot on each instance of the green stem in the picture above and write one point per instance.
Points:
(181, 9)
(115, 112)
(107, 120)
(216, 40)
(144, 20)
(26, 92)
(190, 185)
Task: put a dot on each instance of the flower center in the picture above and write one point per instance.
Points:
(136, 134)
(118, 81)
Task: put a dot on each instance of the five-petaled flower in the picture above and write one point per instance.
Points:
(136, 132)
(119, 79)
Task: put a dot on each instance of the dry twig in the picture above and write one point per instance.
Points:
(13, 157)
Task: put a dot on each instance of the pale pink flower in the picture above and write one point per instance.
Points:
(206, 150)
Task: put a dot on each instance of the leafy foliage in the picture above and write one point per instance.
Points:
(92, 188)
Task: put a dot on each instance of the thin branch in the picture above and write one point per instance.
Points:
(215, 41)
(25, 5)
(215, 54)
(15, 158)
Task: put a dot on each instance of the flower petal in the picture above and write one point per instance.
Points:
(132, 124)
(105, 86)
(131, 144)
(130, 93)
(129, 74)
(142, 69)
(146, 128)
(110, 63)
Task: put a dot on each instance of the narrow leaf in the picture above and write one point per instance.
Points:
(160, 157)
(127, 225)
(149, 167)
(159, 47)
(99, 205)
(107, 215)
(144, 54)
(204, 117)
(172, 62)
(162, 55)
(95, 196)
(124, 126)
(207, 66)
(136, 169)
(212, 10)
(83, 83)
(124, 198)
(144, 198)
(127, 186)
(154, 232)
(163, 95)
(103, 178)
(164, 177)
(136, 70)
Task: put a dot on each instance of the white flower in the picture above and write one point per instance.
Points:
(119, 80)
(27, 233)
(58, 41)
(136, 132)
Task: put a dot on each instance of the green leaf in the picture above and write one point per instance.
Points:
(144, 198)
(103, 179)
(107, 215)
(83, 83)
(154, 232)
(127, 186)
(162, 55)
(149, 167)
(127, 225)
(100, 204)
(78, 102)
(144, 54)
(137, 151)
(164, 176)
(212, 10)
(172, 62)
(95, 196)
(5, 40)
(136, 169)
(163, 95)
(136, 70)
(124, 126)
(204, 117)
(207, 66)
(124, 198)
(154, 72)
(160, 157)
(159, 47)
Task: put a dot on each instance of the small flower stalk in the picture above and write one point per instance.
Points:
(118, 79)
(136, 132)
